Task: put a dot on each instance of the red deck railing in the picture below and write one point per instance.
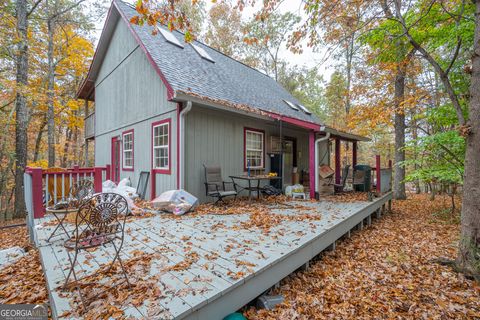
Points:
(45, 187)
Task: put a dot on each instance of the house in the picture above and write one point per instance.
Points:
(168, 107)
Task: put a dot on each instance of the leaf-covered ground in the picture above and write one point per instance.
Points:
(385, 272)
(22, 281)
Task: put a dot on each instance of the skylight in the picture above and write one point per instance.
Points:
(203, 53)
(170, 37)
(304, 109)
(291, 105)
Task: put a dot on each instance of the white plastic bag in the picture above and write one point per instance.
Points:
(108, 186)
(177, 202)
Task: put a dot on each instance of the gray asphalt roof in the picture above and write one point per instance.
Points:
(227, 79)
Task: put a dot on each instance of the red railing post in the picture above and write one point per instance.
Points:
(378, 172)
(37, 193)
(337, 160)
(390, 164)
(108, 171)
(97, 179)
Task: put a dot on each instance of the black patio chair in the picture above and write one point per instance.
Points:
(142, 184)
(215, 187)
(100, 221)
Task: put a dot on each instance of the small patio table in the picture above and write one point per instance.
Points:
(60, 215)
(253, 183)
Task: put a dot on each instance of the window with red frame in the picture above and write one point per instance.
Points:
(254, 148)
(161, 146)
(127, 139)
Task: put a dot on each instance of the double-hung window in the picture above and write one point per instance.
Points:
(127, 138)
(254, 148)
(161, 146)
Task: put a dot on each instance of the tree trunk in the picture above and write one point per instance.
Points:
(38, 140)
(21, 111)
(399, 180)
(50, 95)
(469, 251)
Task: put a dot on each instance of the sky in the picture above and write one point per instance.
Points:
(307, 58)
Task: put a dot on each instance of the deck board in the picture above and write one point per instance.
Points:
(208, 288)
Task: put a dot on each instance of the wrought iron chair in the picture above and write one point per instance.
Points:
(78, 193)
(215, 187)
(142, 184)
(100, 221)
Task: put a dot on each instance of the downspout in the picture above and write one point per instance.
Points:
(317, 143)
(181, 145)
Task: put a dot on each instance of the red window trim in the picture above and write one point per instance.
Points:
(133, 150)
(245, 129)
(155, 124)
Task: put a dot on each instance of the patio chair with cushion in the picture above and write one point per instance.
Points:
(215, 187)
(100, 221)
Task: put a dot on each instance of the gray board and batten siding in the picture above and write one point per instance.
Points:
(217, 137)
(130, 95)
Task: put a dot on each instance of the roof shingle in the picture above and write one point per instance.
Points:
(226, 79)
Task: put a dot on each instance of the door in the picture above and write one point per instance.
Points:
(115, 159)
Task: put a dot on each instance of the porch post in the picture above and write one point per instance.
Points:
(97, 179)
(337, 160)
(377, 165)
(354, 153)
(312, 164)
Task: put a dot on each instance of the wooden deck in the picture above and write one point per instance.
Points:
(209, 287)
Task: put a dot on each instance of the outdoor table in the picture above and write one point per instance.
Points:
(60, 215)
(253, 183)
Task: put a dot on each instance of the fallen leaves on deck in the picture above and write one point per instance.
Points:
(385, 271)
(108, 294)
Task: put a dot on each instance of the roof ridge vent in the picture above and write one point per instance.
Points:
(170, 37)
(202, 53)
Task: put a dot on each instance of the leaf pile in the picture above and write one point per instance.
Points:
(385, 271)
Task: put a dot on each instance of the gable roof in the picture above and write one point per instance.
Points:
(184, 71)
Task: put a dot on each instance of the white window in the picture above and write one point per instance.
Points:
(161, 146)
(254, 149)
(128, 150)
